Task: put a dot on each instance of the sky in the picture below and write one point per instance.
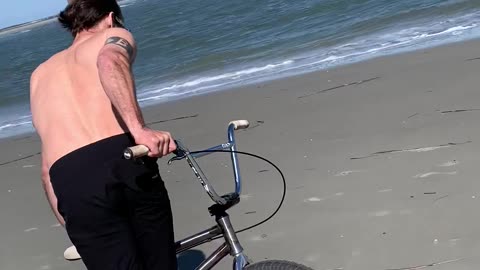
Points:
(20, 11)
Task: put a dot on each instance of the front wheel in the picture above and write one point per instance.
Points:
(276, 265)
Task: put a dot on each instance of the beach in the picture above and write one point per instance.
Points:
(380, 159)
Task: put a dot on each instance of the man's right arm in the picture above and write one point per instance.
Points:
(114, 69)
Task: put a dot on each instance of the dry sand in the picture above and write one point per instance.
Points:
(380, 158)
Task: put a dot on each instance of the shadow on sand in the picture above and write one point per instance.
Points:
(190, 259)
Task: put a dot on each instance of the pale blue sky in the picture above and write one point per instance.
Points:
(20, 11)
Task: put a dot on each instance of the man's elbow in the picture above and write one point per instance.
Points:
(45, 181)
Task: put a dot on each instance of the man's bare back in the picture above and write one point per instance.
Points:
(69, 105)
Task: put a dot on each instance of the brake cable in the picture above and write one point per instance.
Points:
(269, 162)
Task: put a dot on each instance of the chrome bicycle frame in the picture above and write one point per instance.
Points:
(231, 246)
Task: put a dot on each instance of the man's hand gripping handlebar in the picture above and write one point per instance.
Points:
(137, 151)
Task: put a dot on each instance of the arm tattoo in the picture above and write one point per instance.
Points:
(122, 43)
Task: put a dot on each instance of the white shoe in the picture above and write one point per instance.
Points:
(71, 254)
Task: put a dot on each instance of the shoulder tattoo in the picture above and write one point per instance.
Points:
(122, 43)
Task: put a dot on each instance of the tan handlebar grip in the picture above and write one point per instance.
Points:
(135, 151)
(240, 124)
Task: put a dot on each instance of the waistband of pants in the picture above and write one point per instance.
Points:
(93, 154)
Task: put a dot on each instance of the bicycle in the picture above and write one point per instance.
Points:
(224, 228)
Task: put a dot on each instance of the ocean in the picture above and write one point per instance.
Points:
(192, 47)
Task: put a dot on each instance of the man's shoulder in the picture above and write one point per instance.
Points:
(115, 38)
(37, 71)
(118, 32)
(34, 77)
(42, 67)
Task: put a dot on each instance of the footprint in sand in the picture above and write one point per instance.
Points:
(425, 175)
(317, 199)
(449, 163)
(314, 199)
(345, 173)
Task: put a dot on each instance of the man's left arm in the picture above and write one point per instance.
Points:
(47, 186)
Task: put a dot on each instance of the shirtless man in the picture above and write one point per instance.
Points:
(83, 101)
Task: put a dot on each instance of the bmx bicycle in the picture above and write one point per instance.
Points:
(223, 228)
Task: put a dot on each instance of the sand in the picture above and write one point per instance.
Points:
(380, 159)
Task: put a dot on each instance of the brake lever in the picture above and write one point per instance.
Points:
(179, 154)
(170, 161)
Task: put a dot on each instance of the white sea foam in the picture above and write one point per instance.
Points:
(206, 82)
(15, 125)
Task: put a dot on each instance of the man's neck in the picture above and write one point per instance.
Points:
(86, 34)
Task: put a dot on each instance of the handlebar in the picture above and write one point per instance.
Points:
(183, 153)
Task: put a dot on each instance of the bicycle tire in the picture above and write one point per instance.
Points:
(276, 265)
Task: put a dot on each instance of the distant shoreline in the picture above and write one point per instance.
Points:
(19, 27)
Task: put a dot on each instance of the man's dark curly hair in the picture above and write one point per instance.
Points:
(80, 15)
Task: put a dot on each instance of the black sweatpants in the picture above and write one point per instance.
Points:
(117, 211)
